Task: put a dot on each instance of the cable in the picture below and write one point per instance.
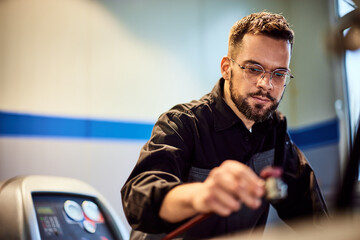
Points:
(189, 224)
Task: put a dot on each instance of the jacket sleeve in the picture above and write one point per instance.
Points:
(161, 166)
(304, 196)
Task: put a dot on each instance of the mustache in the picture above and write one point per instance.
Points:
(262, 94)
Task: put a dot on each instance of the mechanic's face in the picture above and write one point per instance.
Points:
(256, 100)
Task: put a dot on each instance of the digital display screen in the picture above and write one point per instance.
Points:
(70, 217)
(44, 210)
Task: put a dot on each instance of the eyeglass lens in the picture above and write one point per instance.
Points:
(279, 78)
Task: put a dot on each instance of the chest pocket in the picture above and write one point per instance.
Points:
(257, 162)
(261, 160)
(198, 174)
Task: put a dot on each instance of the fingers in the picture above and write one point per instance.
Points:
(223, 203)
(271, 172)
(249, 197)
(245, 177)
(228, 187)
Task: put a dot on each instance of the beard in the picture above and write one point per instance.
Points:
(257, 113)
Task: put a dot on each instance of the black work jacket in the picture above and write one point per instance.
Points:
(191, 139)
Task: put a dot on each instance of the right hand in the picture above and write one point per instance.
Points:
(228, 187)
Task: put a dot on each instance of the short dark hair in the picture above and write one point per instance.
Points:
(269, 24)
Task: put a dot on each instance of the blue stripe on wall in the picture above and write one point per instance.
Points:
(316, 135)
(26, 125)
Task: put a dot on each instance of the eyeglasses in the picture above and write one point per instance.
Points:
(279, 78)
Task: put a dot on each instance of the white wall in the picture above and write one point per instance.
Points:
(310, 98)
(132, 60)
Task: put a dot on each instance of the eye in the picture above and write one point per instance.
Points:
(280, 74)
(254, 69)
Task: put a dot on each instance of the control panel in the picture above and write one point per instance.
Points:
(70, 217)
(37, 207)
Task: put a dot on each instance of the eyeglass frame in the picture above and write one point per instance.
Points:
(271, 72)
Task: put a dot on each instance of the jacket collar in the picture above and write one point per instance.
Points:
(224, 117)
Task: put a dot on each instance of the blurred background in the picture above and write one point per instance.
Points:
(83, 81)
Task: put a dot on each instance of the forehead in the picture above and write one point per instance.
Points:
(270, 52)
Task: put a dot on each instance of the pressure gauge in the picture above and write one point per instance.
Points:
(91, 210)
(73, 210)
(89, 226)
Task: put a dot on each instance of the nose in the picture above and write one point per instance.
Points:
(265, 82)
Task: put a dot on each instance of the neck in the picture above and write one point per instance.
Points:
(227, 97)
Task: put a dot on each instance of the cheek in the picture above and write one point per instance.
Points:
(278, 95)
(240, 87)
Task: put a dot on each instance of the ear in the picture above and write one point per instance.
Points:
(225, 68)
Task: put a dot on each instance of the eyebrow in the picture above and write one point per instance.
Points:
(256, 62)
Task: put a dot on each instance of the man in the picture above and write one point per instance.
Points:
(210, 155)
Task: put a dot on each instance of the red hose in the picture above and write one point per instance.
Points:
(189, 224)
